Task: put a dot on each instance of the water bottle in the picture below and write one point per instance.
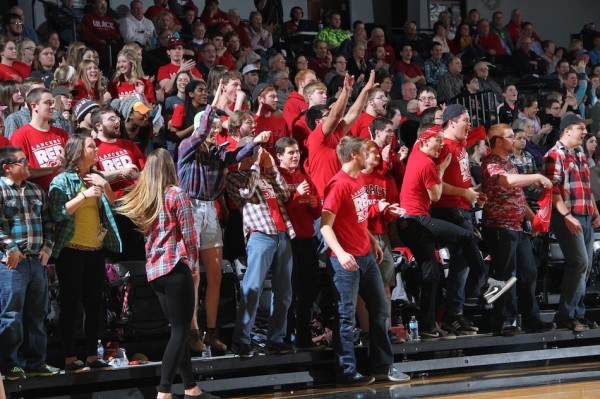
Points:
(100, 350)
(413, 329)
(206, 354)
(320, 25)
(124, 361)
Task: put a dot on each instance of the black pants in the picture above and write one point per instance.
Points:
(81, 277)
(175, 292)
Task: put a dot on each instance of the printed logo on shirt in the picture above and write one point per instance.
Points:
(115, 160)
(48, 152)
(103, 24)
(361, 204)
(267, 189)
(463, 162)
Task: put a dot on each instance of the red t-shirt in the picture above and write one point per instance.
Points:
(115, 156)
(411, 70)
(170, 70)
(22, 69)
(457, 174)
(43, 148)
(276, 125)
(83, 93)
(301, 214)
(4, 142)
(271, 199)
(9, 73)
(300, 133)
(346, 197)
(178, 118)
(320, 66)
(125, 89)
(361, 126)
(377, 190)
(323, 162)
(421, 174)
(294, 105)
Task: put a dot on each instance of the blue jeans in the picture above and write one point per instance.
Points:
(265, 250)
(347, 286)
(578, 250)
(23, 308)
(512, 255)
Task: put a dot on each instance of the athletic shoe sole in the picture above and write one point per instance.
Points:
(498, 292)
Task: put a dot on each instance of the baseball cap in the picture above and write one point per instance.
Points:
(60, 90)
(570, 119)
(174, 42)
(141, 107)
(453, 111)
(249, 68)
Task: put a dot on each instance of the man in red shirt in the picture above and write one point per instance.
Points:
(296, 102)
(321, 61)
(490, 42)
(410, 71)
(303, 208)
(377, 102)
(354, 254)
(167, 73)
(266, 120)
(315, 93)
(378, 39)
(101, 32)
(43, 144)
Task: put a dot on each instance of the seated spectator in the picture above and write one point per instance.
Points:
(24, 60)
(283, 87)
(166, 73)
(339, 68)
(129, 79)
(13, 28)
(209, 58)
(470, 85)
(321, 61)
(290, 27)
(261, 39)
(427, 98)
(411, 72)
(412, 38)
(359, 35)
(482, 72)
(451, 82)
(43, 64)
(67, 20)
(549, 48)
(165, 22)
(239, 27)
(90, 85)
(358, 66)
(515, 25)
(223, 57)
(11, 98)
(508, 111)
(489, 42)
(211, 15)
(28, 32)
(409, 93)
(473, 20)
(135, 27)
(198, 35)
(378, 62)
(445, 18)
(465, 46)
(497, 27)
(101, 32)
(157, 8)
(439, 36)
(526, 61)
(8, 53)
(378, 39)
(333, 34)
(63, 103)
(527, 31)
(435, 66)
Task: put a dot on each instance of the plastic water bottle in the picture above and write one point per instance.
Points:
(413, 329)
(125, 361)
(206, 354)
(100, 350)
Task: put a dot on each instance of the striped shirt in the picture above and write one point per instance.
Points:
(243, 188)
(569, 173)
(172, 237)
(26, 221)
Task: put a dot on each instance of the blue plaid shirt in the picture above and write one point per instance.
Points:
(26, 221)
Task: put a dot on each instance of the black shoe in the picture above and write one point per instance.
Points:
(244, 351)
(395, 338)
(510, 331)
(279, 348)
(42, 371)
(538, 325)
(310, 347)
(590, 323)
(436, 333)
(14, 374)
(573, 325)
(76, 367)
(98, 364)
(460, 325)
(355, 380)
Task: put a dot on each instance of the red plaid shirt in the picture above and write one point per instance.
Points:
(570, 175)
(172, 237)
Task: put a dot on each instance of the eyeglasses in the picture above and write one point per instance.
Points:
(29, 48)
(512, 137)
(20, 161)
(16, 23)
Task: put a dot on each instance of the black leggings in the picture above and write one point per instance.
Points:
(175, 292)
(81, 277)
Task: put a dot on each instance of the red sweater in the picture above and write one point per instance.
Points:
(95, 28)
(298, 207)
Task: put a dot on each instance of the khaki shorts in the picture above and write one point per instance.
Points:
(206, 224)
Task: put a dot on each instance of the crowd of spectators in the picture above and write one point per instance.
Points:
(278, 155)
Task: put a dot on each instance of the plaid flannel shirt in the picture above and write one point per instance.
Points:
(64, 188)
(172, 237)
(569, 173)
(242, 187)
(26, 223)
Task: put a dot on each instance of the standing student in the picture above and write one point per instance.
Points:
(163, 212)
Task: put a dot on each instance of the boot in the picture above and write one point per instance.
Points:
(196, 344)
(211, 337)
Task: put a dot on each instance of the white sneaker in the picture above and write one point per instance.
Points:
(497, 288)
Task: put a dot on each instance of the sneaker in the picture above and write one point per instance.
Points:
(357, 379)
(310, 347)
(195, 340)
(460, 325)
(14, 374)
(211, 337)
(278, 348)
(98, 364)
(244, 351)
(573, 325)
(538, 325)
(76, 367)
(42, 371)
(436, 333)
(395, 338)
(391, 374)
(497, 288)
(510, 331)
(590, 323)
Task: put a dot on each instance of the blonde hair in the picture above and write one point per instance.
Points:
(136, 68)
(64, 75)
(21, 46)
(73, 56)
(89, 86)
(145, 201)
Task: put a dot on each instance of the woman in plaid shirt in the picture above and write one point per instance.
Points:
(163, 212)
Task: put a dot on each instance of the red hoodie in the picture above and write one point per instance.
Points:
(294, 105)
(95, 28)
(298, 207)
